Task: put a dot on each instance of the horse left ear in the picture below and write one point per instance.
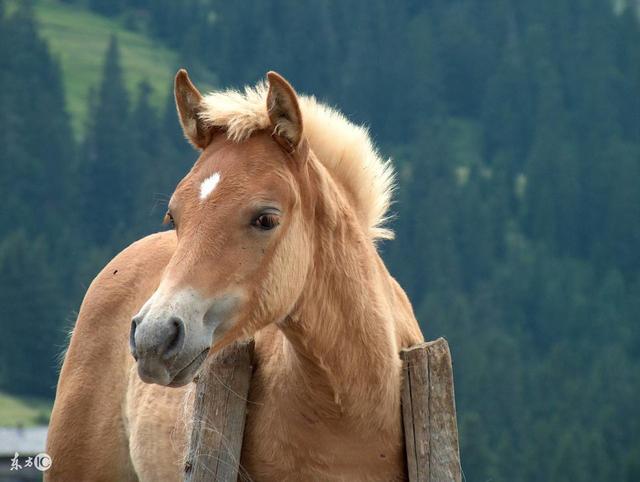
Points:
(284, 111)
(188, 103)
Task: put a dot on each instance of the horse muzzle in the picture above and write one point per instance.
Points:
(171, 336)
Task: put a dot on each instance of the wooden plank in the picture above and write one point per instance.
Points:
(415, 411)
(445, 452)
(429, 414)
(219, 415)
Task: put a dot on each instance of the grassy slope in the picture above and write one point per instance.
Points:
(24, 411)
(79, 38)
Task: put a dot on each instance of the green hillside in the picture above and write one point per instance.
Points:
(79, 38)
(23, 411)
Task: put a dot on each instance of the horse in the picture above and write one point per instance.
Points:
(275, 236)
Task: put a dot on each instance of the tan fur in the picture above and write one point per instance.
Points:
(327, 317)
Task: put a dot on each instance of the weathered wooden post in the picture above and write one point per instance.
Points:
(429, 413)
(219, 413)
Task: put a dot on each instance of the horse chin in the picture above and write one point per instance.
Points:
(188, 373)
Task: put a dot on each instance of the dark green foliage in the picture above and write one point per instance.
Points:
(30, 83)
(107, 7)
(516, 132)
(32, 332)
(37, 157)
(109, 177)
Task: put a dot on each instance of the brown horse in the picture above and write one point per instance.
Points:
(275, 232)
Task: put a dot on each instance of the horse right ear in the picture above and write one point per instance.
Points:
(189, 105)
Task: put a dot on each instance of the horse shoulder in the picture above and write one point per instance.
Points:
(127, 275)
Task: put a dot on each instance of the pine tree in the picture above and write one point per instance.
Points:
(148, 155)
(36, 151)
(507, 107)
(110, 175)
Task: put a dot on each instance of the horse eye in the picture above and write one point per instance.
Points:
(266, 222)
(168, 219)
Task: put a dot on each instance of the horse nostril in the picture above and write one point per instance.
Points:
(175, 338)
(132, 339)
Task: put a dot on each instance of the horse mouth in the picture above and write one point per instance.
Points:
(186, 374)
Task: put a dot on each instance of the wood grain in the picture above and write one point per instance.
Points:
(219, 415)
(429, 413)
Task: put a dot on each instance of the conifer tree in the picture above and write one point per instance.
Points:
(37, 149)
(110, 175)
(147, 152)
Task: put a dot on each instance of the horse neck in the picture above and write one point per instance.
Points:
(340, 337)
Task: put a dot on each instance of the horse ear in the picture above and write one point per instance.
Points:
(284, 111)
(188, 103)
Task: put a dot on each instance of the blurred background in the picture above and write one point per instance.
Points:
(515, 130)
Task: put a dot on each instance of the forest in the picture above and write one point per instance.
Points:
(514, 127)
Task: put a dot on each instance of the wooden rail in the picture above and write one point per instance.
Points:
(428, 411)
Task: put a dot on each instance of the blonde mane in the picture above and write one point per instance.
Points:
(345, 149)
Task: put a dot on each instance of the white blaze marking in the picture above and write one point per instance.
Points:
(208, 185)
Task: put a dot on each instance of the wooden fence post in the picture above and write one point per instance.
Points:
(219, 415)
(429, 413)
